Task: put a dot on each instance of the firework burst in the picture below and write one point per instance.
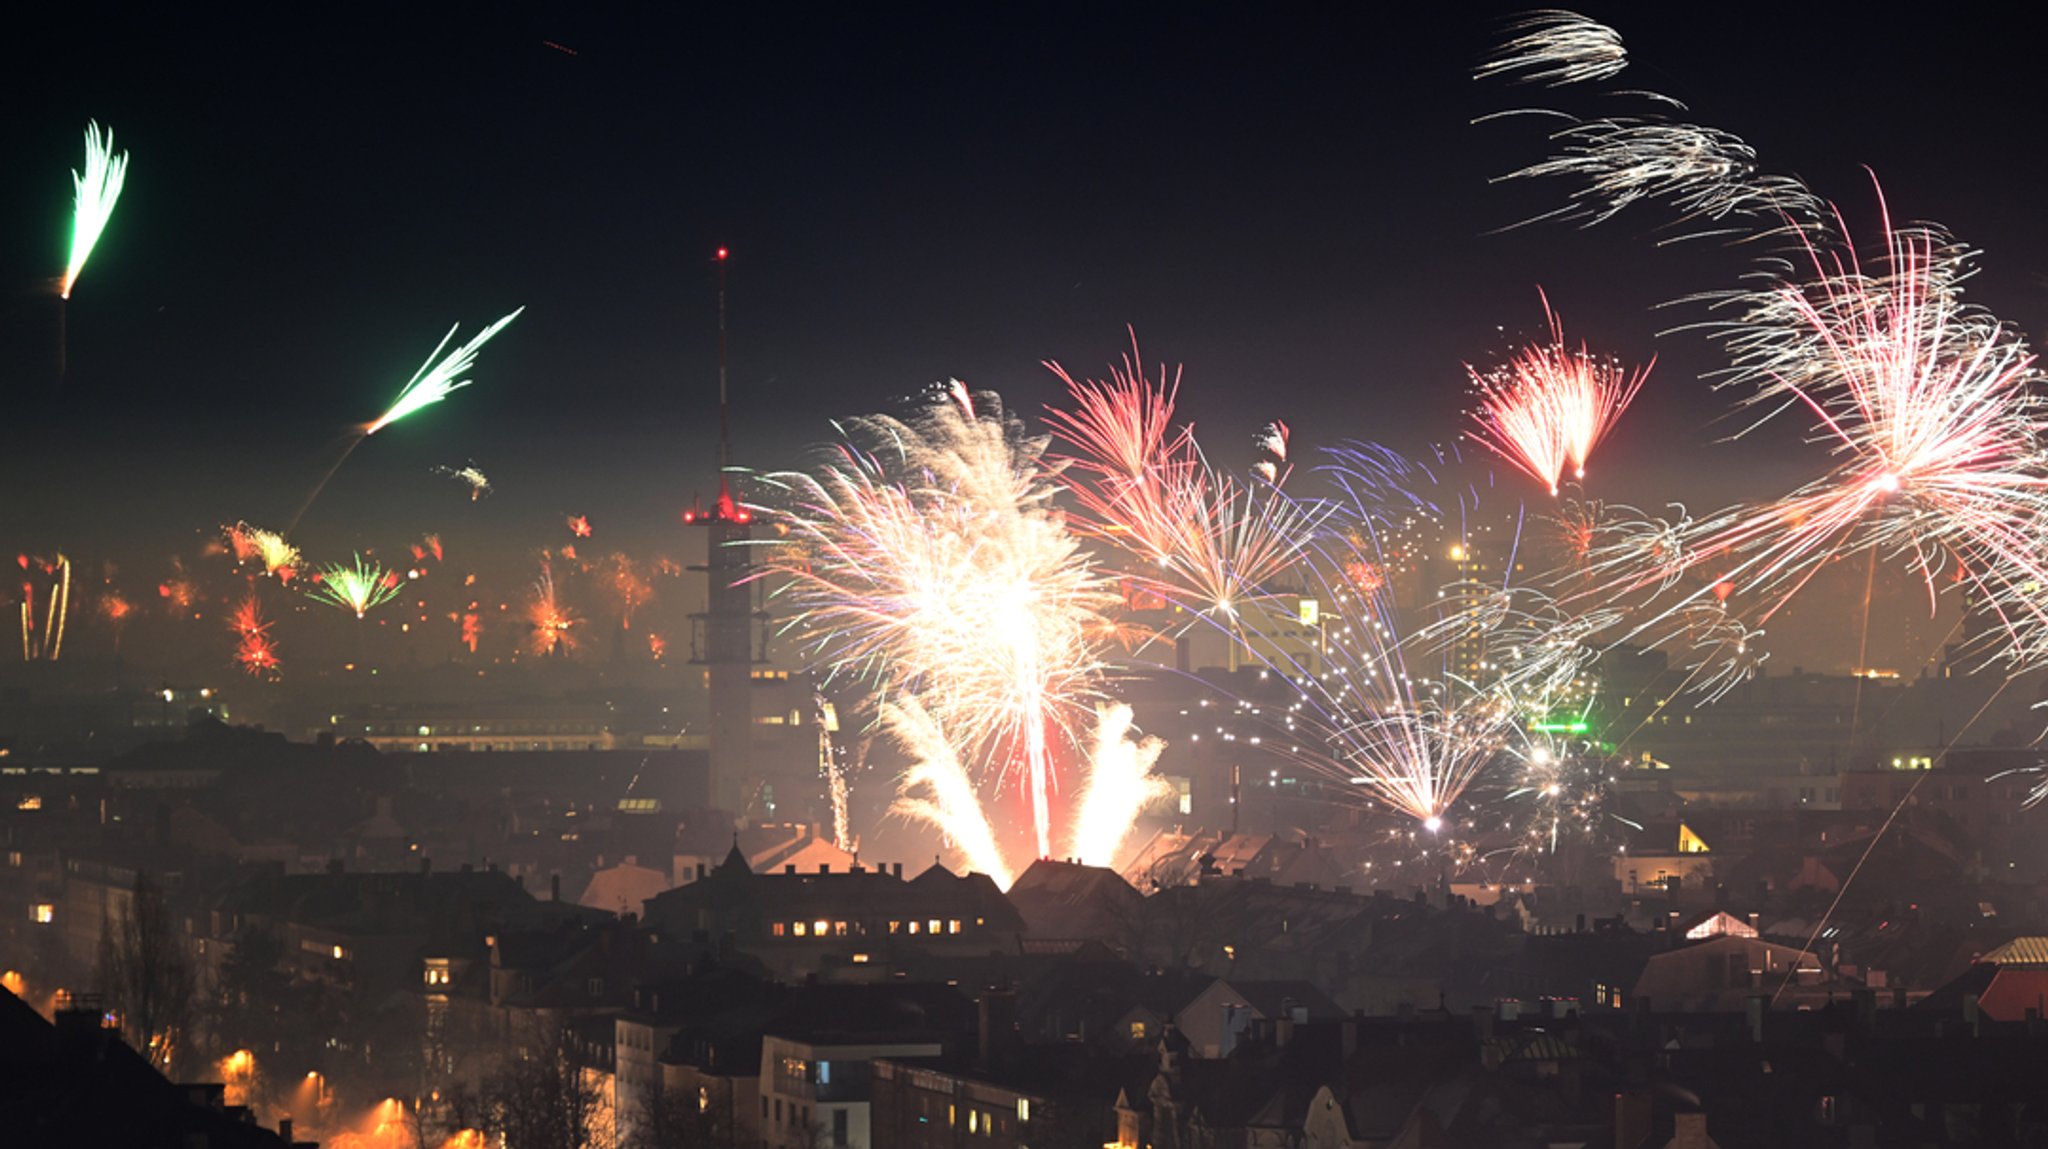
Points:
(358, 587)
(552, 622)
(94, 192)
(1118, 787)
(931, 560)
(1551, 404)
(268, 548)
(1554, 47)
(937, 792)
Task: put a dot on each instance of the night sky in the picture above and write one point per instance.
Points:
(1291, 201)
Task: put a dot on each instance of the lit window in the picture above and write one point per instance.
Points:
(974, 1120)
(45, 913)
(1023, 1109)
(703, 1099)
(838, 929)
(339, 953)
(913, 927)
(953, 927)
(932, 926)
(819, 927)
(895, 926)
(860, 959)
(778, 929)
(1137, 1031)
(800, 929)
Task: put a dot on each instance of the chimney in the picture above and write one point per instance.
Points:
(1754, 1011)
(789, 870)
(1631, 1120)
(284, 1130)
(426, 865)
(700, 871)
(1689, 1131)
(896, 870)
(555, 886)
(1972, 1014)
(824, 867)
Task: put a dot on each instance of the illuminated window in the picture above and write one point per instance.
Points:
(703, 1099)
(974, 1120)
(45, 913)
(339, 953)
(778, 929)
(932, 926)
(30, 802)
(953, 927)
(895, 926)
(860, 959)
(1137, 1031)
(913, 927)
(1023, 1109)
(819, 927)
(800, 929)
(838, 929)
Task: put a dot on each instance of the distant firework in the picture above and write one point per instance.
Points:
(94, 192)
(437, 377)
(579, 526)
(359, 587)
(478, 483)
(267, 548)
(552, 623)
(45, 607)
(255, 650)
(1551, 404)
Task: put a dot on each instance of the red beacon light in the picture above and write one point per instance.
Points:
(720, 256)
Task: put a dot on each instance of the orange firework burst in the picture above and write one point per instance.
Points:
(255, 650)
(551, 621)
(627, 587)
(656, 646)
(579, 526)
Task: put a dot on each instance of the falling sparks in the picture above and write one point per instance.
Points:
(255, 649)
(277, 557)
(1555, 47)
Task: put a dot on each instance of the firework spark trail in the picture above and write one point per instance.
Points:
(1200, 539)
(1932, 408)
(1553, 47)
(930, 560)
(948, 801)
(94, 192)
(437, 378)
(358, 587)
(1118, 787)
(1617, 161)
(43, 637)
(1551, 404)
(1372, 716)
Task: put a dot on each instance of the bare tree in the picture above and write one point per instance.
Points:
(545, 1100)
(146, 978)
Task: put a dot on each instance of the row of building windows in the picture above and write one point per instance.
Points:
(824, 928)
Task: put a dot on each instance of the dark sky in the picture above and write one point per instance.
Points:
(1291, 200)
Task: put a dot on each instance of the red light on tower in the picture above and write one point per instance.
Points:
(720, 257)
